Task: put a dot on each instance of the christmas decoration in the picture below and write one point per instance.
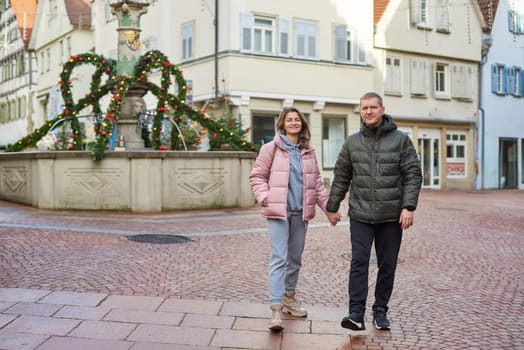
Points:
(223, 135)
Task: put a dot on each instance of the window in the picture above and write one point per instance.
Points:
(20, 64)
(263, 32)
(263, 128)
(420, 12)
(456, 154)
(258, 34)
(333, 135)
(393, 83)
(108, 15)
(514, 81)
(515, 22)
(149, 44)
(187, 41)
(462, 82)
(342, 43)
(498, 79)
(306, 39)
(441, 76)
(443, 16)
(347, 45)
(418, 77)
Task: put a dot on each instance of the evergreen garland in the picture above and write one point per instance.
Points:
(230, 136)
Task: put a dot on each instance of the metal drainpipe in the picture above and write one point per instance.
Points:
(216, 48)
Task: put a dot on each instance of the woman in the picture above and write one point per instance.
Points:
(287, 184)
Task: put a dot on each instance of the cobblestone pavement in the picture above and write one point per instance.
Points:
(75, 279)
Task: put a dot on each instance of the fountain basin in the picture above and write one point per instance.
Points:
(131, 180)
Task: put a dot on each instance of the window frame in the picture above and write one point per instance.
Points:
(306, 33)
(455, 144)
(420, 13)
(187, 40)
(442, 17)
(264, 30)
(441, 81)
(326, 139)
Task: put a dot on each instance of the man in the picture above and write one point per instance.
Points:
(380, 168)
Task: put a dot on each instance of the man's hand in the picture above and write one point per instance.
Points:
(333, 218)
(406, 218)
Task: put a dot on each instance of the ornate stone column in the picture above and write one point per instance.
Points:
(128, 13)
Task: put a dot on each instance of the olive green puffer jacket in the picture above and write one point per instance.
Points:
(382, 171)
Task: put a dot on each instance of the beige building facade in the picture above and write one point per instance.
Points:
(255, 57)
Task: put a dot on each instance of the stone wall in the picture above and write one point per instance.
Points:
(137, 181)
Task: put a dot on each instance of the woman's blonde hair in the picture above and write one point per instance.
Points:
(305, 135)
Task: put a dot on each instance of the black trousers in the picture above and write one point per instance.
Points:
(387, 237)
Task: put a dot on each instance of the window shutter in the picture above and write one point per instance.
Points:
(510, 21)
(418, 77)
(457, 81)
(341, 43)
(312, 46)
(415, 11)
(361, 49)
(468, 82)
(283, 35)
(443, 15)
(247, 22)
(522, 82)
(494, 78)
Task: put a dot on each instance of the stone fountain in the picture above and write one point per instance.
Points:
(135, 178)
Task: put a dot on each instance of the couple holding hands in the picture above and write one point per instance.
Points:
(379, 167)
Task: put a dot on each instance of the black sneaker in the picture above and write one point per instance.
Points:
(380, 320)
(354, 321)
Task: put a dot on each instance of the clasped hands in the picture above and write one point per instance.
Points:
(333, 218)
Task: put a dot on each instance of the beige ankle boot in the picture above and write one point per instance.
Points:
(276, 323)
(291, 306)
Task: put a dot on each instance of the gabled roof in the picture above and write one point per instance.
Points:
(25, 11)
(379, 6)
(79, 13)
(488, 9)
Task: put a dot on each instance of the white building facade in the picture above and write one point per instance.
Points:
(501, 143)
(18, 78)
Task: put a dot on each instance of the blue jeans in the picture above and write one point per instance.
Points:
(286, 239)
(387, 237)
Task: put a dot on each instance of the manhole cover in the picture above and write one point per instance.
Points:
(372, 258)
(158, 239)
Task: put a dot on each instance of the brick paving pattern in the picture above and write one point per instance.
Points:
(74, 280)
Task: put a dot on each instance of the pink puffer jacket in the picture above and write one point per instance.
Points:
(269, 182)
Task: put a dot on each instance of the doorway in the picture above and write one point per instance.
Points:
(429, 156)
(508, 165)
